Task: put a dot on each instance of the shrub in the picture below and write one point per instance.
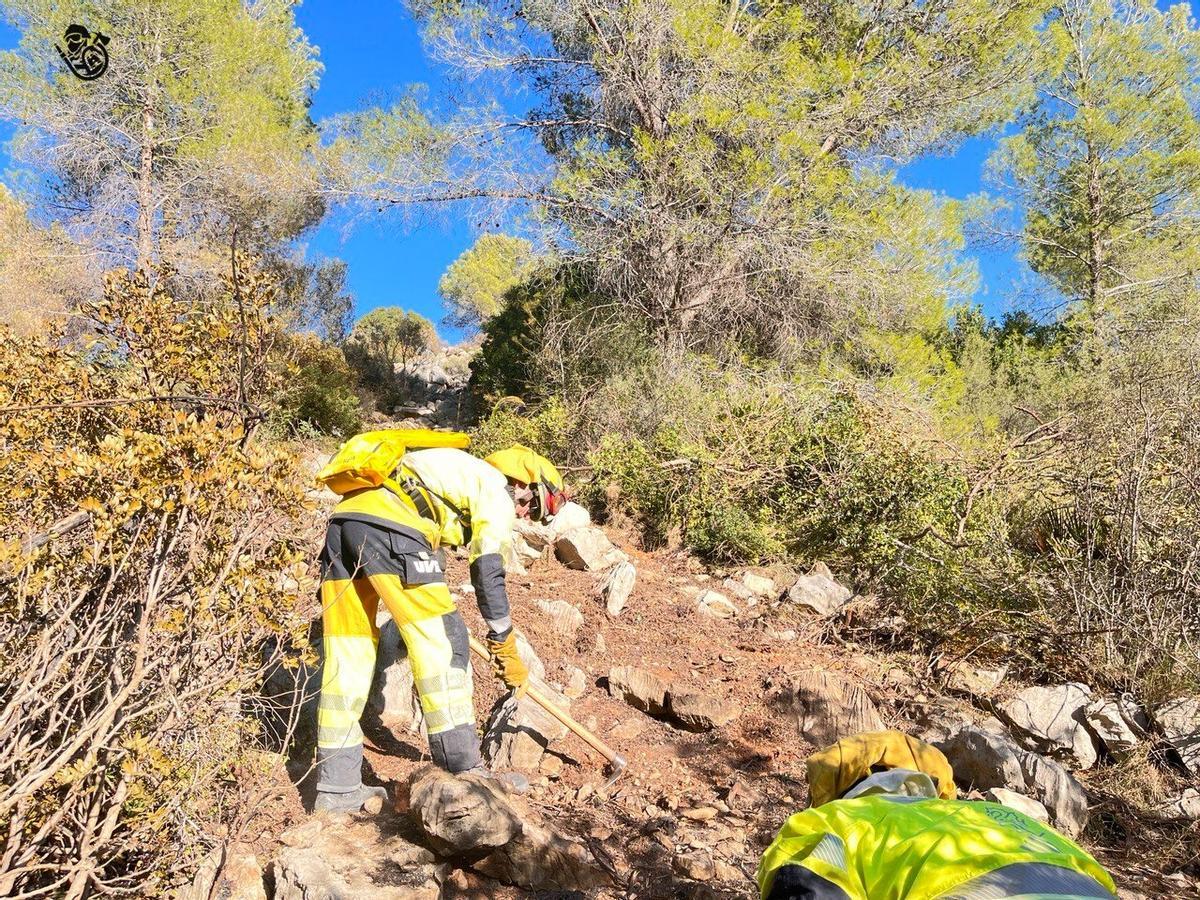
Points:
(318, 393)
(151, 546)
(546, 430)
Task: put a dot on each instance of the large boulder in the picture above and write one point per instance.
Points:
(1179, 720)
(1117, 721)
(829, 706)
(817, 591)
(338, 860)
(1052, 719)
(618, 587)
(587, 549)
(472, 817)
(640, 689)
(983, 759)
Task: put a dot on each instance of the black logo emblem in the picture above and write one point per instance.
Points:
(86, 54)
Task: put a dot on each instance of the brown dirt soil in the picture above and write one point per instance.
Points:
(756, 763)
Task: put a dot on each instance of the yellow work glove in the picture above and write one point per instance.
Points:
(507, 665)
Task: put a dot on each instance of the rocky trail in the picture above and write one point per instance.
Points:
(715, 686)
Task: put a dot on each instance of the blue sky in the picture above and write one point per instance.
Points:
(375, 51)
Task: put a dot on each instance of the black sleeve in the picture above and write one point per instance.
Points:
(798, 883)
(487, 577)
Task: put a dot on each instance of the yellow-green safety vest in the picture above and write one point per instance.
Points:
(887, 848)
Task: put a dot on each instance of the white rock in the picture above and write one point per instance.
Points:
(1019, 802)
(569, 517)
(564, 618)
(1179, 720)
(760, 585)
(587, 549)
(618, 587)
(577, 684)
(1182, 808)
(535, 535)
(819, 592)
(961, 677)
(716, 605)
(984, 759)
(1119, 722)
(1052, 719)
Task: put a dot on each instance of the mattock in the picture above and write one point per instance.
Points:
(616, 762)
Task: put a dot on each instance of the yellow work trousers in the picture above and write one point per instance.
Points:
(361, 565)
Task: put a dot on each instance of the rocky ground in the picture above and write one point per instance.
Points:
(715, 686)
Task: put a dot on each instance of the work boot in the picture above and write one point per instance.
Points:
(350, 802)
(514, 781)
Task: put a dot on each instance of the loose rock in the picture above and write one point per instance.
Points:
(228, 873)
(760, 585)
(535, 535)
(1179, 720)
(1052, 720)
(577, 684)
(716, 605)
(829, 707)
(818, 592)
(1118, 722)
(618, 587)
(697, 711)
(639, 688)
(354, 859)
(697, 866)
(569, 516)
(1019, 802)
(468, 816)
(564, 618)
(1185, 807)
(519, 731)
(587, 549)
(960, 677)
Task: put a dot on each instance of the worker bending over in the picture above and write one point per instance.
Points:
(884, 824)
(399, 507)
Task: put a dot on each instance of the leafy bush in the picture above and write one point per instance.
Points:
(151, 546)
(318, 392)
(546, 430)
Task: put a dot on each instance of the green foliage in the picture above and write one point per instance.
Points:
(394, 336)
(475, 284)
(319, 393)
(547, 430)
(382, 344)
(554, 336)
(1106, 166)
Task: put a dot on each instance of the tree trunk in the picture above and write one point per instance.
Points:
(145, 216)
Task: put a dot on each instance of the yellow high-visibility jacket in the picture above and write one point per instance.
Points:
(885, 847)
(451, 499)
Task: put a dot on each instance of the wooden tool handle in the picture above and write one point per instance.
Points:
(549, 706)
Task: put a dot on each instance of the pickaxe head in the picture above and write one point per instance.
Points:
(615, 767)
